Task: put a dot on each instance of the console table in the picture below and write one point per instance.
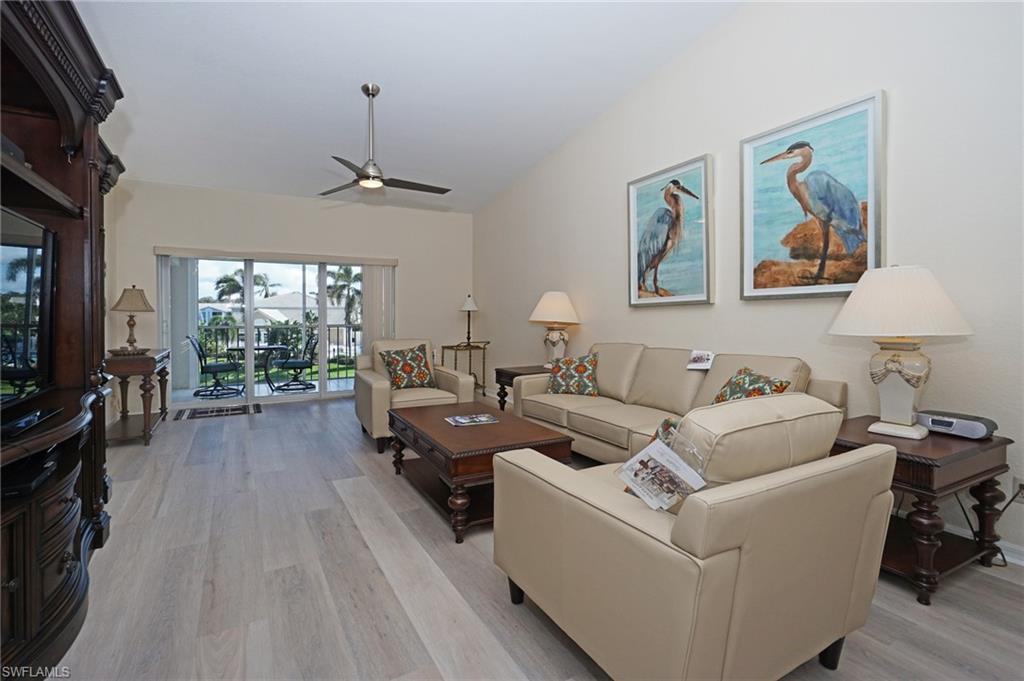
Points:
(504, 377)
(939, 466)
(154, 362)
(470, 347)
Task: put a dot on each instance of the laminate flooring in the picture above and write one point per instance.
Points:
(282, 546)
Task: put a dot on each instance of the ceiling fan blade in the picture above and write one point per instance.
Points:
(350, 165)
(415, 186)
(338, 189)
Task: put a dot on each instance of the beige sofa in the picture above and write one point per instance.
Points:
(751, 578)
(374, 395)
(639, 386)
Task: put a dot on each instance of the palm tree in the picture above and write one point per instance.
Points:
(346, 289)
(231, 285)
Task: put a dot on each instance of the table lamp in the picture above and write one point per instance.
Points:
(899, 307)
(469, 307)
(132, 300)
(555, 311)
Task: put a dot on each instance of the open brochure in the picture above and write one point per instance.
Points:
(659, 476)
(471, 419)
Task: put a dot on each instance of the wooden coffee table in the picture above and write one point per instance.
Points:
(454, 469)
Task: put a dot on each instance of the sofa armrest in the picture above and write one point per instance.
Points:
(524, 386)
(373, 399)
(458, 383)
(833, 392)
(595, 559)
(364, 362)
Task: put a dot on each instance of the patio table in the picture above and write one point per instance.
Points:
(268, 351)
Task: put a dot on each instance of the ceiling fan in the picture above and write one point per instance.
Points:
(369, 175)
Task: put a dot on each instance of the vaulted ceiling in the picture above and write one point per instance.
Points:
(257, 96)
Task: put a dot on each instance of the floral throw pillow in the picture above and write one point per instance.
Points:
(574, 376)
(747, 383)
(409, 368)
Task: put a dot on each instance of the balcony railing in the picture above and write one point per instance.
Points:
(227, 342)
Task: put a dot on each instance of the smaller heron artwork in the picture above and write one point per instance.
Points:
(811, 203)
(670, 235)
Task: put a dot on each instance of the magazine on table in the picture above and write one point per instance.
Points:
(659, 476)
(471, 419)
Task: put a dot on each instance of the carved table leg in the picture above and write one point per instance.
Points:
(502, 397)
(162, 376)
(399, 447)
(989, 497)
(123, 383)
(459, 502)
(147, 406)
(926, 524)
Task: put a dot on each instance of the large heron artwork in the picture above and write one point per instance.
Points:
(826, 198)
(663, 232)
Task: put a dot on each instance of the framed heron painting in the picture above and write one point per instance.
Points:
(812, 203)
(670, 235)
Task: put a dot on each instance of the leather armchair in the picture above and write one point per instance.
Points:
(751, 579)
(374, 396)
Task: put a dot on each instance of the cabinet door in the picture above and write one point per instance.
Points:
(12, 578)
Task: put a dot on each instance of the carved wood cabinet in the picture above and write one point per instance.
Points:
(56, 90)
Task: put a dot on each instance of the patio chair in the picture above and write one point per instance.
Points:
(297, 366)
(18, 372)
(223, 365)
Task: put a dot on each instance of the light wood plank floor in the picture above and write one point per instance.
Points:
(282, 546)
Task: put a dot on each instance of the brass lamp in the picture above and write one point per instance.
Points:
(555, 311)
(132, 300)
(898, 307)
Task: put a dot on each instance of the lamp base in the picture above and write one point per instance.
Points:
(914, 432)
(555, 340)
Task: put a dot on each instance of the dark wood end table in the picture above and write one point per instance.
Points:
(454, 470)
(917, 548)
(154, 362)
(504, 377)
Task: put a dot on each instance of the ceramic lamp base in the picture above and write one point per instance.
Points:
(555, 340)
(914, 432)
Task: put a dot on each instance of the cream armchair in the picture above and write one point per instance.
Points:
(374, 395)
(749, 580)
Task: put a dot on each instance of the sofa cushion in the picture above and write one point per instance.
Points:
(612, 422)
(723, 368)
(554, 408)
(573, 376)
(421, 397)
(747, 383)
(385, 344)
(616, 367)
(662, 380)
(408, 367)
(745, 438)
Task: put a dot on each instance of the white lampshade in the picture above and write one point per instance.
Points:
(899, 302)
(554, 307)
(132, 300)
(470, 304)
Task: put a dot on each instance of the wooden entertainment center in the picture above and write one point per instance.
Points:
(56, 90)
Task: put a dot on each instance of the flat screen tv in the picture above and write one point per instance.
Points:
(27, 261)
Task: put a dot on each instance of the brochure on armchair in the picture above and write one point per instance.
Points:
(471, 419)
(659, 476)
(700, 359)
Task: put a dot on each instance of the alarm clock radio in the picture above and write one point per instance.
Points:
(963, 425)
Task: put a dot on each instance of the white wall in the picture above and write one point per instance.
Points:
(952, 75)
(434, 249)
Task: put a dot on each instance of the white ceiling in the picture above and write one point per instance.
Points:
(257, 96)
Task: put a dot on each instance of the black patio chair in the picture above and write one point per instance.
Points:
(297, 366)
(18, 372)
(224, 365)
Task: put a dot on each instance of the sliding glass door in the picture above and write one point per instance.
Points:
(252, 329)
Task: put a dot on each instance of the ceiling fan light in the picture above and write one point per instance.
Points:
(370, 183)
